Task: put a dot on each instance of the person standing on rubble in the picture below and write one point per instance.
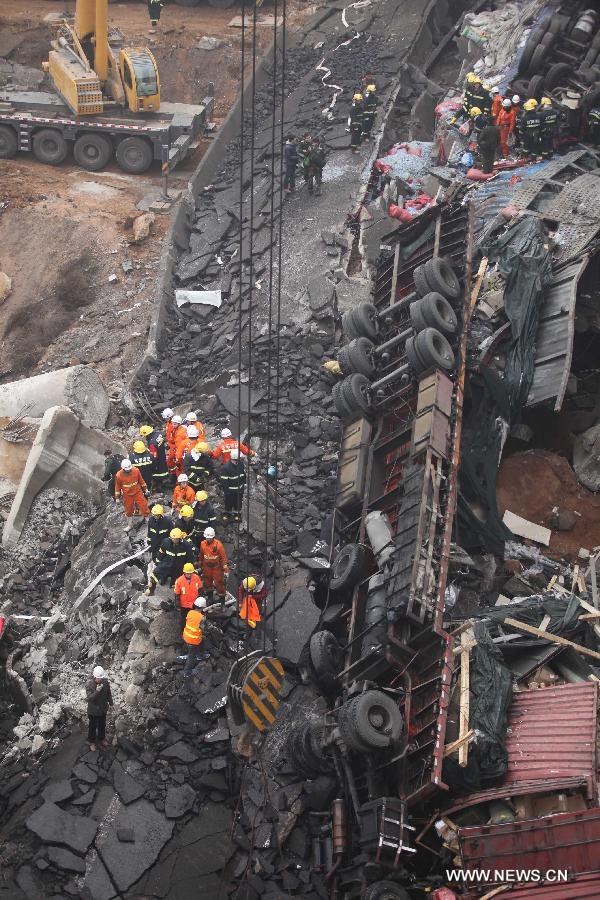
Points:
(186, 523)
(370, 108)
(518, 133)
(204, 513)
(175, 551)
(131, 487)
(184, 447)
(178, 435)
(355, 121)
(192, 419)
(141, 457)
(506, 125)
(548, 127)
(112, 464)
(252, 594)
(198, 466)
(488, 142)
(290, 161)
(316, 164)
(187, 589)
(159, 527)
(229, 443)
(531, 127)
(232, 478)
(183, 494)
(496, 98)
(193, 636)
(99, 698)
(214, 563)
(154, 8)
(157, 447)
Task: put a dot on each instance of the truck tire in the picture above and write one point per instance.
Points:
(441, 277)
(343, 410)
(420, 280)
(416, 315)
(325, 656)
(434, 350)
(343, 359)
(558, 24)
(49, 146)
(531, 45)
(558, 74)
(355, 390)
(8, 142)
(134, 155)
(414, 361)
(535, 87)
(92, 151)
(347, 567)
(433, 311)
(371, 721)
(359, 356)
(537, 59)
(365, 321)
(385, 890)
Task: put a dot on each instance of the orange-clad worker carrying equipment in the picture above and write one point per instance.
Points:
(130, 485)
(187, 589)
(496, 102)
(215, 567)
(251, 595)
(193, 635)
(183, 495)
(227, 444)
(506, 124)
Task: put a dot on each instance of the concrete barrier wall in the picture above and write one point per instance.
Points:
(65, 454)
(77, 387)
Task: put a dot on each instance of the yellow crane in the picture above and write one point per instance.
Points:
(92, 72)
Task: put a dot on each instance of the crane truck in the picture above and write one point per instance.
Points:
(106, 103)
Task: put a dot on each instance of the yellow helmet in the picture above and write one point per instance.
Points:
(202, 447)
(176, 533)
(157, 510)
(357, 96)
(145, 430)
(249, 583)
(486, 86)
(471, 78)
(188, 568)
(476, 79)
(186, 511)
(530, 104)
(201, 495)
(474, 111)
(546, 101)
(139, 446)
(371, 87)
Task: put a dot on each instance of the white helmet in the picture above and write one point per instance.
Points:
(225, 433)
(234, 453)
(209, 533)
(495, 90)
(506, 103)
(191, 417)
(126, 464)
(192, 431)
(177, 420)
(516, 99)
(99, 672)
(167, 413)
(182, 479)
(200, 602)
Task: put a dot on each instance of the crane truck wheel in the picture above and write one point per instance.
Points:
(49, 146)
(92, 151)
(134, 155)
(8, 142)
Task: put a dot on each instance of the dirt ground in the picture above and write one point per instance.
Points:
(63, 230)
(531, 484)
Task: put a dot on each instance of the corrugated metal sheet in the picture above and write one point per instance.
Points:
(554, 337)
(565, 841)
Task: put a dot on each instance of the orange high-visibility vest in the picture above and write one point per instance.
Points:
(192, 633)
(188, 589)
(249, 611)
(224, 448)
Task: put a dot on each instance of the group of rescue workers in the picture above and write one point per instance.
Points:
(501, 124)
(183, 545)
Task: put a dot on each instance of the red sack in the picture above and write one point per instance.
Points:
(396, 212)
(478, 175)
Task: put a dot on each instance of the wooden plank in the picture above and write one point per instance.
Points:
(455, 745)
(555, 638)
(395, 274)
(585, 605)
(477, 286)
(589, 616)
(463, 750)
(524, 528)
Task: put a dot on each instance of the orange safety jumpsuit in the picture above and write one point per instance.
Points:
(250, 603)
(201, 438)
(184, 447)
(131, 487)
(178, 434)
(183, 495)
(187, 588)
(224, 448)
(213, 560)
(506, 125)
(496, 106)
(192, 633)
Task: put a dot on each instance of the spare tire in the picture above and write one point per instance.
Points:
(347, 567)
(325, 656)
(433, 349)
(370, 721)
(442, 278)
(558, 74)
(360, 356)
(420, 280)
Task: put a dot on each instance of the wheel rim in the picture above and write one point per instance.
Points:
(49, 146)
(379, 719)
(441, 347)
(133, 155)
(91, 152)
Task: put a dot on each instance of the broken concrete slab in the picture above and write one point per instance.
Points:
(57, 791)
(64, 859)
(181, 752)
(297, 618)
(215, 818)
(179, 800)
(51, 824)
(527, 529)
(79, 388)
(126, 787)
(321, 293)
(202, 298)
(235, 399)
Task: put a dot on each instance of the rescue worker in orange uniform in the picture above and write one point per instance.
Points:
(130, 485)
(251, 596)
(193, 635)
(506, 124)
(192, 419)
(215, 567)
(229, 443)
(178, 434)
(187, 589)
(183, 495)
(496, 102)
(185, 447)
